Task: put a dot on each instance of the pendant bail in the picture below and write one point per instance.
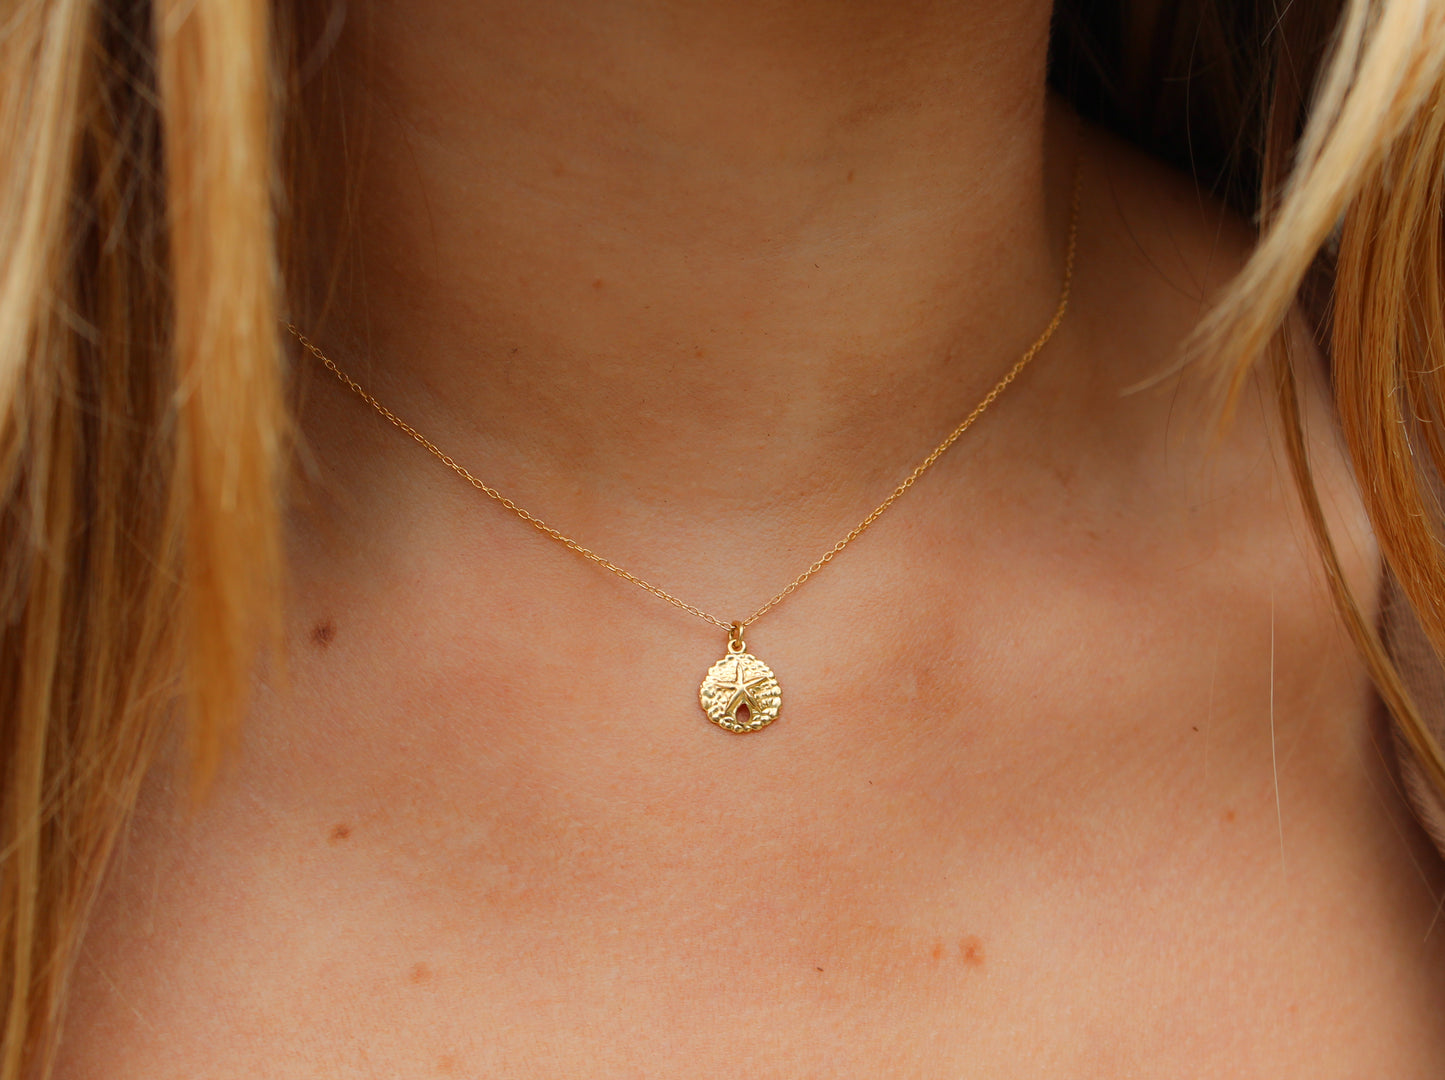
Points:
(735, 638)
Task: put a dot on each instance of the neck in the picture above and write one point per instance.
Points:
(630, 244)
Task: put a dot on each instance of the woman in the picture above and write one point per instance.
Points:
(1081, 763)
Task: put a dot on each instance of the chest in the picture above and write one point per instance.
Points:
(448, 870)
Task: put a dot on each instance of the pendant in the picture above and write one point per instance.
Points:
(740, 692)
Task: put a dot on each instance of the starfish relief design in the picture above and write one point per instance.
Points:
(742, 685)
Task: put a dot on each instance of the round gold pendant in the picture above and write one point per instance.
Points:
(740, 692)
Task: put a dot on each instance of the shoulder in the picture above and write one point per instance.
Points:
(1157, 251)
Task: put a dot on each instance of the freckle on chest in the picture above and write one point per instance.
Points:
(970, 951)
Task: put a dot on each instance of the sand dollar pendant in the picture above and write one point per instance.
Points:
(740, 692)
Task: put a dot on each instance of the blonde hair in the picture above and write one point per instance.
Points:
(142, 422)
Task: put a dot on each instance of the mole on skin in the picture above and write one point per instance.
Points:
(341, 832)
(970, 951)
(324, 633)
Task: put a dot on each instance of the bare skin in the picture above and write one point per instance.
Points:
(1077, 775)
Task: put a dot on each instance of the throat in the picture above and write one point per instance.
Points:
(630, 246)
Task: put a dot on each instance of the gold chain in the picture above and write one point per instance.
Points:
(828, 556)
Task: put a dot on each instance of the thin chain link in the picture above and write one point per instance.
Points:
(829, 555)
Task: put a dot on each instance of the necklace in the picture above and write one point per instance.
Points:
(739, 693)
